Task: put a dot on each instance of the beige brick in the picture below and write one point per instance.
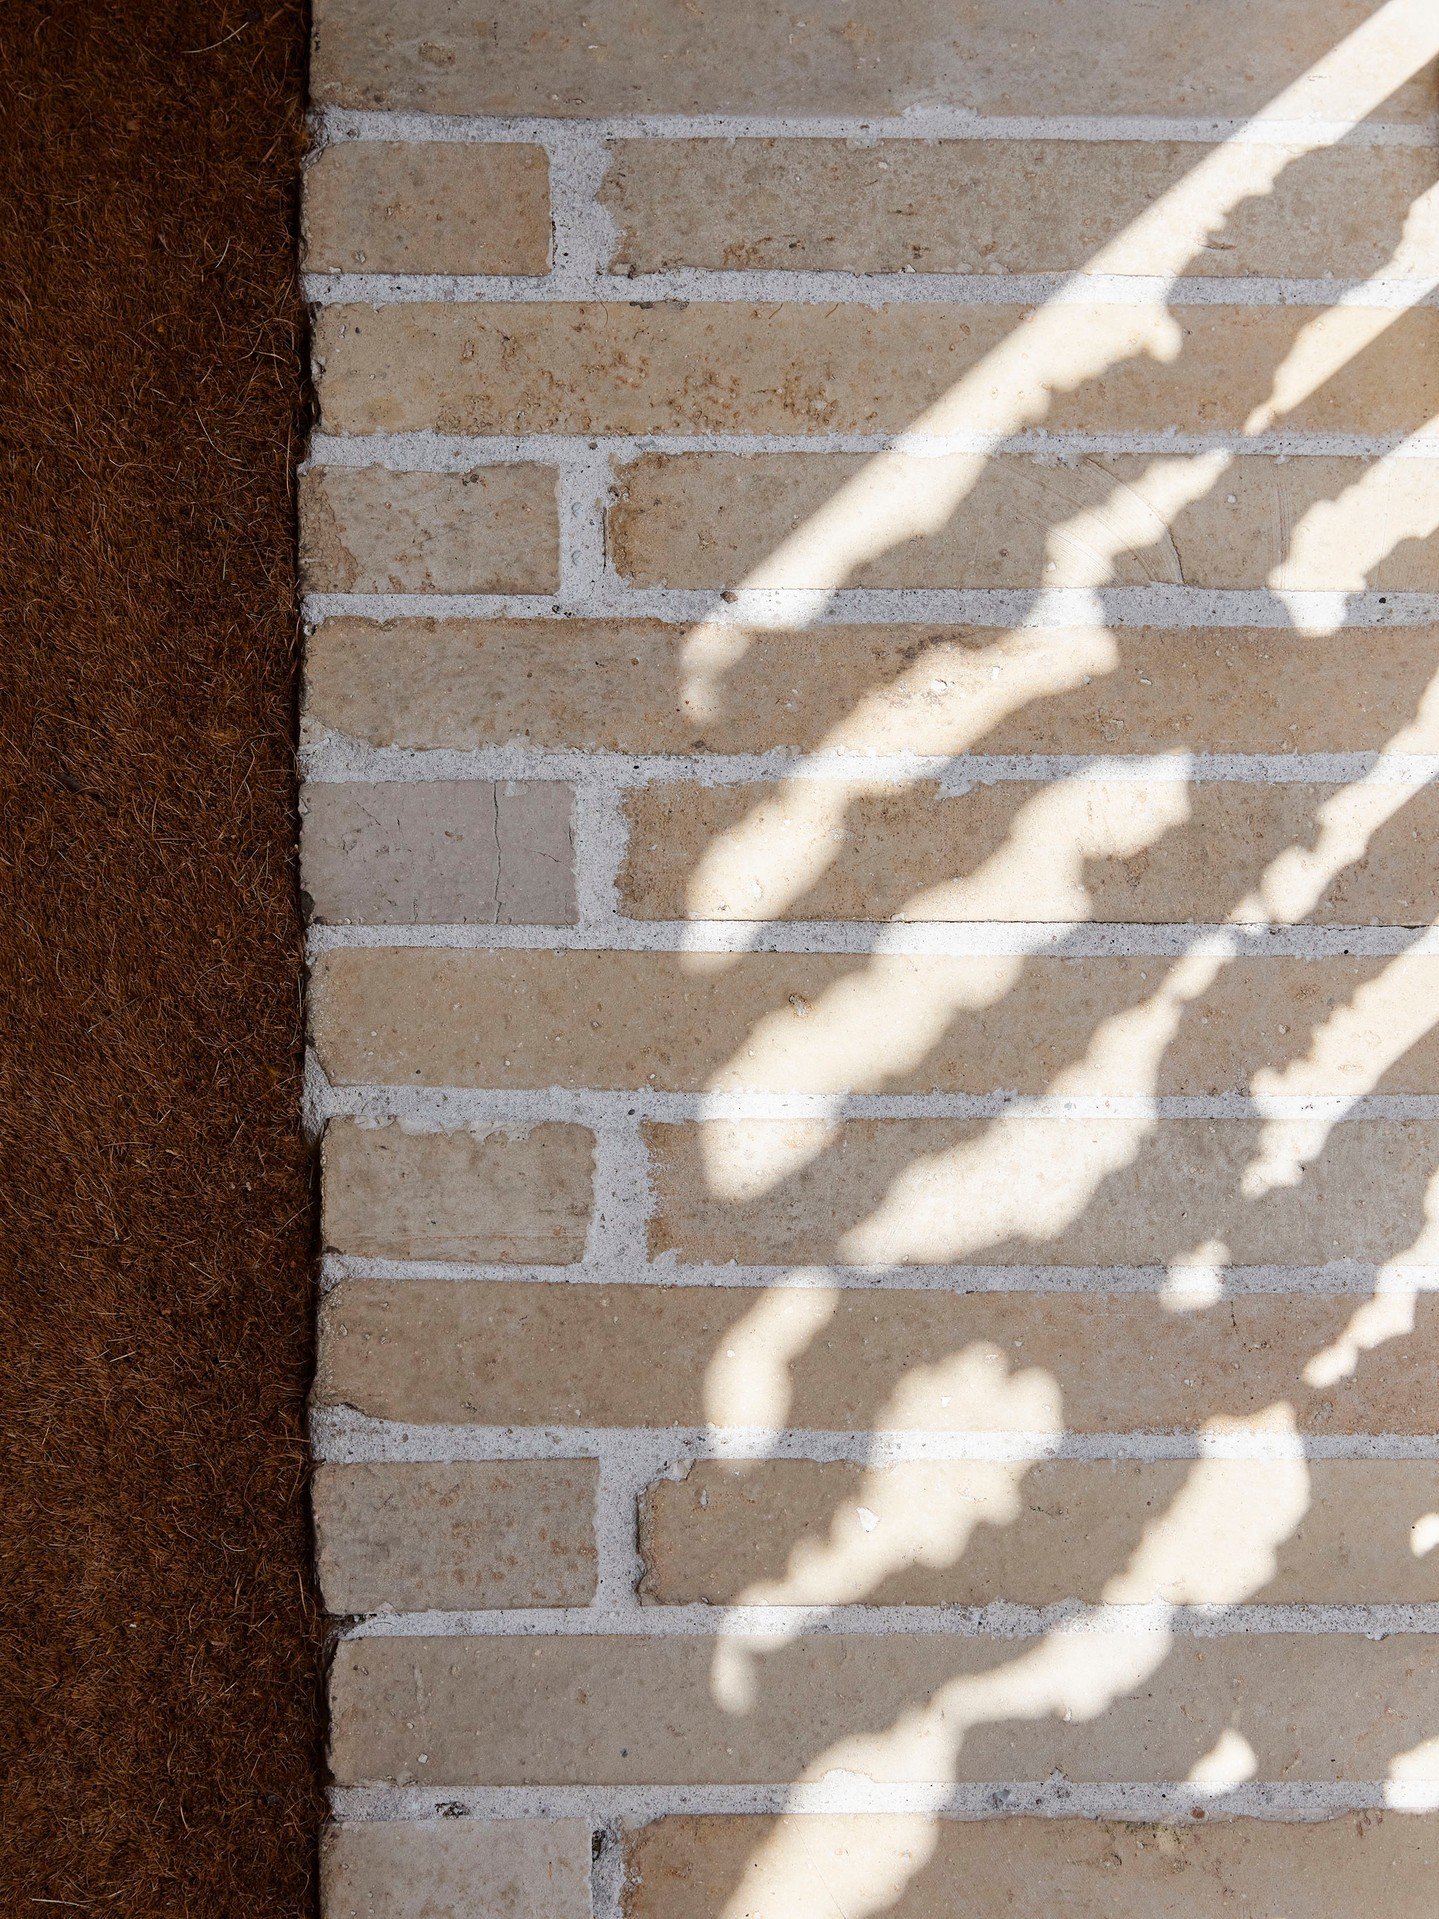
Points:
(446, 207)
(1065, 1192)
(1135, 851)
(1117, 1706)
(624, 367)
(821, 520)
(969, 1533)
(456, 1869)
(912, 1867)
(513, 1197)
(635, 687)
(413, 1537)
(499, 1354)
(450, 851)
(371, 530)
(812, 1023)
(694, 1342)
(1013, 206)
(994, 56)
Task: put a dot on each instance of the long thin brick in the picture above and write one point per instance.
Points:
(994, 57)
(1131, 850)
(401, 207)
(1064, 1192)
(518, 1533)
(1013, 206)
(454, 851)
(455, 1869)
(833, 519)
(637, 687)
(913, 1867)
(813, 1023)
(589, 1335)
(500, 1354)
(624, 367)
(620, 1711)
(373, 530)
(969, 1533)
(497, 1195)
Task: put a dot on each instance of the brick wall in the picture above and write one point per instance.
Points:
(869, 835)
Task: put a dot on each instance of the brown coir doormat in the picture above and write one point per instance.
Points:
(160, 1720)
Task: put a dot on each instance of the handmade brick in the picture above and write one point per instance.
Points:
(446, 207)
(726, 367)
(914, 1867)
(456, 852)
(1128, 851)
(815, 1023)
(517, 1197)
(1013, 206)
(630, 1711)
(1315, 523)
(459, 1536)
(455, 1869)
(372, 530)
(970, 1533)
(538, 1354)
(634, 687)
(629, 56)
(1064, 1192)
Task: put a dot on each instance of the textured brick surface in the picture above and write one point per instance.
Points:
(371, 530)
(1101, 1869)
(1086, 849)
(625, 686)
(544, 1355)
(447, 1869)
(718, 520)
(468, 852)
(875, 915)
(394, 207)
(628, 56)
(697, 367)
(1063, 1191)
(965, 1533)
(1010, 206)
(551, 1711)
(508, 1196)
(810, 1023)
(455, 1536)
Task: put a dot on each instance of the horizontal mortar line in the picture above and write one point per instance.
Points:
(912, 939)
(429, 452)
(998, 1620)
(441, 1105)
(924, 124)
(1180, 1802)
(829, 287)
(790, 608)
(1344, 1279)
(341, 1435)
(339, 757)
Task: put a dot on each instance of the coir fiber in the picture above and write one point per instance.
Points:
(160, 1722)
